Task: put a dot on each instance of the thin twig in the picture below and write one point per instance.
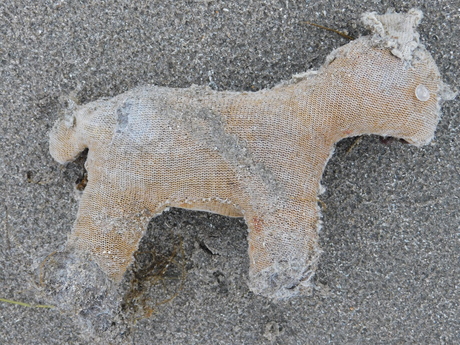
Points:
(329, 29)
(354, 144)
(26, 304)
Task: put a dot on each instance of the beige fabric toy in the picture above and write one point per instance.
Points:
(257, 155)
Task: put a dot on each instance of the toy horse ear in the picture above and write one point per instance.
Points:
(396, 31)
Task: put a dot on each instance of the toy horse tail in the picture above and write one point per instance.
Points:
(65, 139)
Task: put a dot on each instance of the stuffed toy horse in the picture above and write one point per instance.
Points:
(258, 155)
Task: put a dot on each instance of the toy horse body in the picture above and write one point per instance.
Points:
(257, 155)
